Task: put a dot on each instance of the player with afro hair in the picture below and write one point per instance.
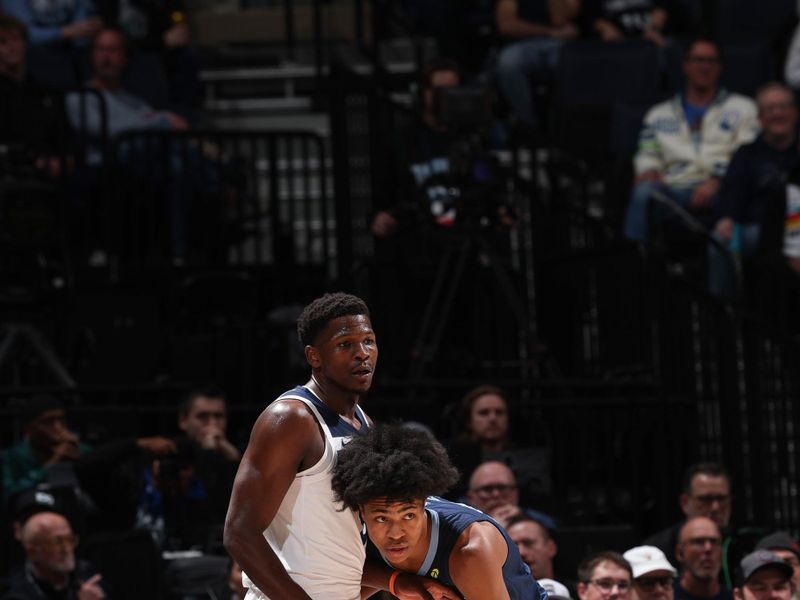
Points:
(392, 476)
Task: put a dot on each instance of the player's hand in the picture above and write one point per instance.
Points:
(91, 590)
(413, 587)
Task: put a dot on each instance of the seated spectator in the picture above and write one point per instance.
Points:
(686, 143)
(30, 122)
(536, 546)
(51, 455)
(185, 497)
(535, 31)
(764, 575)
(653, 575)
(486, 435)
(493, 490)
(785, 547)
(706, 493)
(555, 589)
(613, 20)
(125, 112)
(55, 21)
(51, 570)
(699, 552)
(757, 172)
(604, 576)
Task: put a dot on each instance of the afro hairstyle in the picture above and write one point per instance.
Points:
(324, 309)
(393, 462)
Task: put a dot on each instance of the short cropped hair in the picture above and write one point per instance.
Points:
(711, 469)
(587, 567)
(324, 309)
(392, 462)
(701, 40)
(523, 518)
(209, 391)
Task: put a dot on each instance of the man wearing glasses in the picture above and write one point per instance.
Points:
(764, 576)
(699, 552)
(685, 143)
(493, 490)
(653, 575)
(706, 493)
(51, 570)
(605, 576)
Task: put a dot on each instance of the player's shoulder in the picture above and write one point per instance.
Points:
(479, 541)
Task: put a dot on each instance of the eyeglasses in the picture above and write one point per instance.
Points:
(710, 499)
(707, 60)
(607, 585)
(55, 542)
(700, 542)
(502, 488)
(650, 583)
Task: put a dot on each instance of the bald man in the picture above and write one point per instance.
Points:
(51, 570)
(699, 552)
(493, 490)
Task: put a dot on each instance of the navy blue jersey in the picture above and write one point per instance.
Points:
(448, 521)
(339, 428)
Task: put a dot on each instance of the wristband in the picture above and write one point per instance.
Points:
(392, 579)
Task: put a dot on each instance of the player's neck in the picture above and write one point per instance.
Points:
(341, 401)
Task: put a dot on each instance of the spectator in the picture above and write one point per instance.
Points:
(203, 417)
(55, 21)
(699, 552)
(614, 20)
(185, 497)
(427, 164)
(51, 570)
(757, 172)
(555, 589)
(493, 490)
(785, 547)
(30, 124)
(791, 69)
(486, 435)
(536, 30)
(706, 493)
(125, 111)
(52, 455)
(763, 576)
(653, 575)
(536, 546)
(685, 143)
(604, 576)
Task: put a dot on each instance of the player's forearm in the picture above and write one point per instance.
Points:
(375, 575)
(251, 551)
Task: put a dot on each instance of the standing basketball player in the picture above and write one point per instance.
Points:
(283, 526)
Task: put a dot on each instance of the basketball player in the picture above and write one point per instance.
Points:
(283, 526)
(391, 475)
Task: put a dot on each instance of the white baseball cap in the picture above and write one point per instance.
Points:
(646, 559)
(554, 589)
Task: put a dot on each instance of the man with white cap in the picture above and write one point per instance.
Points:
(764, 576)
(653, 575)
(554, 589)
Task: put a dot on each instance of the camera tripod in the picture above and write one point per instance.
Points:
(449, 276)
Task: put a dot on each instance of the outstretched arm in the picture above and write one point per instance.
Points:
(282, 437)
(476, 563)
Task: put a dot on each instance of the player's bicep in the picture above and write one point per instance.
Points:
(477, 566)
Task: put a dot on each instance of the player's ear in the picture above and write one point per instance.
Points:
(312, 357)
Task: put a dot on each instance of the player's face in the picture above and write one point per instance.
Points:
(398, 529)
(345, 354)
